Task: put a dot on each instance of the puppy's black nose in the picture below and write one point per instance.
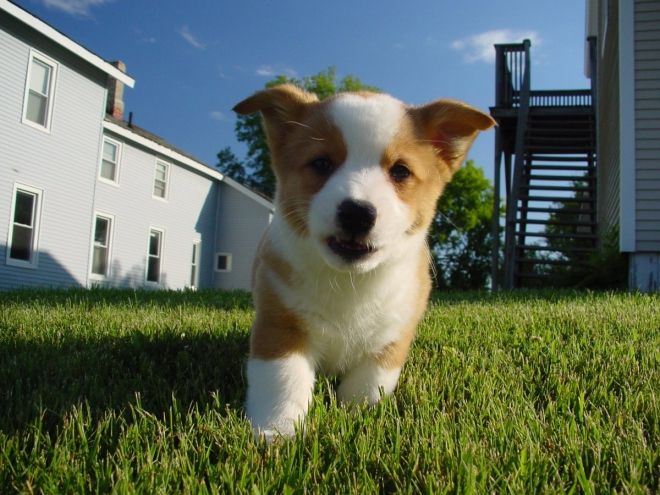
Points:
(356, 217)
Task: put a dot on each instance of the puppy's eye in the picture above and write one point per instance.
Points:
(399, 172)
(322, 166)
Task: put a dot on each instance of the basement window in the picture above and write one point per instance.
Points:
(223, 262)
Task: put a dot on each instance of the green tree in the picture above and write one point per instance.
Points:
(461, 233)
(254, 171)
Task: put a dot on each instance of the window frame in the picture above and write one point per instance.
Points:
(36, 227)
(160, 256)
(119, 146)
(52, 83)
(228, 265)
(168, 167)
(111, 234)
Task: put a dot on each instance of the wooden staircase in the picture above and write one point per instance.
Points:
(547, 142)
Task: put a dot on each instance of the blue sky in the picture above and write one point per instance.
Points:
(193, 60)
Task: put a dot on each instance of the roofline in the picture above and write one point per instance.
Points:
(65, 42)
(194, 164)
(249, 192)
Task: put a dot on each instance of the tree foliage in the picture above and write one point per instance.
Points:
(460, 236)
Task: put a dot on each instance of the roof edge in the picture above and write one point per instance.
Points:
(65, 42)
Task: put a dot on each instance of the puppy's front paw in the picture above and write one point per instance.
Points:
(279, 393)
(367, 383)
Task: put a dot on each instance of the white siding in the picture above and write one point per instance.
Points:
(61, 162)
(608, 125)
(186, 216)
(647, 124)
(241, 224)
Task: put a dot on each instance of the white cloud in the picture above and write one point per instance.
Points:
(74, 7)
(479, 47)
(265, 71)
(271, 71)
(217, 115)
(190, 38)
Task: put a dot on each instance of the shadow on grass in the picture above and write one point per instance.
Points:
(46, 376)
(205, 298)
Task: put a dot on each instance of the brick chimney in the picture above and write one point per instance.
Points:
(115, 103)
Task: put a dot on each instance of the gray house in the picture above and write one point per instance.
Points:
(626, 74)
(87, 198)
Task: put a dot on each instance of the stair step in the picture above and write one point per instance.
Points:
(553, 148)
(567, 211)
(555, 249)
(563, 139)
(533, 261)
(549, 157)
(557, 188)
(557, 177)
(557, 236)
(563, 168)
(556, 199)
(558, 222)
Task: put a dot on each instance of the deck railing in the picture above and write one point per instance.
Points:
(560, 98)
(509, 73)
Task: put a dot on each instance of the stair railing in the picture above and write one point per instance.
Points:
(522, 72)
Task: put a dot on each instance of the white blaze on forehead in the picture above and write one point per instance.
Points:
(367, 123)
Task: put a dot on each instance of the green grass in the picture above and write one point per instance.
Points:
(126, 391)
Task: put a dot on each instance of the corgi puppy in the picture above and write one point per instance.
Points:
(341, 278)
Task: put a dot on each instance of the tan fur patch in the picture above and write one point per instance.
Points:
(429, 176)
(277, 331)
(313, 136)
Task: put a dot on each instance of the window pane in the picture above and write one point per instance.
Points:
(154, 243)
(24, 208)
(39, 77)
(100, 260)
(101, 231)
(37, 106)
(193, 276)
(159, 189)
(153, 268)
(161, 171)
(109, 151)
(222, 262)
(108, 170)
(21, 243)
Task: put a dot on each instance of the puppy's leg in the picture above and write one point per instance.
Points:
(279, 393)
(367, 381)
(376, 375)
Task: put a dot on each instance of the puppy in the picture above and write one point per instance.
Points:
(341, 278)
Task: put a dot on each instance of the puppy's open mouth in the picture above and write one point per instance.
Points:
(350, 250)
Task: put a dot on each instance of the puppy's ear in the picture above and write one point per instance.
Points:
(280, 106)
(451, 127)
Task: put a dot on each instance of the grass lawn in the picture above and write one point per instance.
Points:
(127, 391)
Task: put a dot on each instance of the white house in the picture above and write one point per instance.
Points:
(87, 198)
(627, 79)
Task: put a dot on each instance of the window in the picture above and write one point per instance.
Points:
(154, 255)
(160, 180)
(40, 85)
(194, 266)
(223, 262)
(24, 230)
(101, 245)
(110, 161)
